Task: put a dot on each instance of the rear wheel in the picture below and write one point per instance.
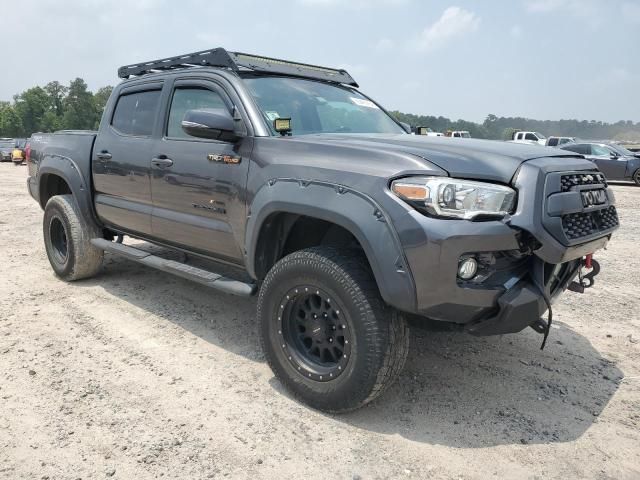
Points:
(636, 177)
(326, 333)
(67, 240)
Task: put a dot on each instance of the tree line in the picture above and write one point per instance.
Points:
(74, 107)
(501, 128)
(53, 107)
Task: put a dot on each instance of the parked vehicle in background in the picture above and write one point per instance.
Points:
(426, 131)
(529, 137)
(558, 141)
(18, 153)
(342, 223)
(632, 147)
(615, 161)
(458, 134)
(6, 149)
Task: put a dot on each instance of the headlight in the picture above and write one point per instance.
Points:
(453, 198)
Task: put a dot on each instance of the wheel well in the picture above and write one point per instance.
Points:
(51, 185)
(285, 233)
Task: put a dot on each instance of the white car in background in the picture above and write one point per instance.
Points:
(530, 138)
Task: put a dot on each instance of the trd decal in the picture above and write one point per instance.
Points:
(231, 159)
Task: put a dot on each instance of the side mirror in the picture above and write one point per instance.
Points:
(211, 123)
(614, 155)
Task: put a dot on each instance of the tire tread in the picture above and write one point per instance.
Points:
(386, 328)
(87, 259)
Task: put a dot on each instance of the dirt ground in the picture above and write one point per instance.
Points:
(137, 374)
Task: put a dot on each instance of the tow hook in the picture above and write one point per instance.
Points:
(586, 279)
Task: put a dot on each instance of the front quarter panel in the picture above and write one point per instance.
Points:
(352, 210)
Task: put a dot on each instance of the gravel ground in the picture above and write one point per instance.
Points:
(138, 374)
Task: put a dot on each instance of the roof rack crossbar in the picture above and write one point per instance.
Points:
(219, 57)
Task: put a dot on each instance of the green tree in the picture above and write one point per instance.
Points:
(57, 93)
(79, 108)
(31, 106)
(51, 122)
(10, 122)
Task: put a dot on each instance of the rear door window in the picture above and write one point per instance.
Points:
(553, 142)
(135, 114)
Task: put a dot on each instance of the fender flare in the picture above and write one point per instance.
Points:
(67, 169)
(354, 211)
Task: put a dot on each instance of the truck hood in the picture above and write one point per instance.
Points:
(459, 157)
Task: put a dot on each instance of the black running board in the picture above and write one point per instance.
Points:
(204, 277)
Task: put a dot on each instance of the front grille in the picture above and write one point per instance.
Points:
(567, 182)
(578, 225)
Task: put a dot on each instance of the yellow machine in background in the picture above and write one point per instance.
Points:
(18, 153)
(17, 156)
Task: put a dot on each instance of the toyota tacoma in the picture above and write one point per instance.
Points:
(345, 225)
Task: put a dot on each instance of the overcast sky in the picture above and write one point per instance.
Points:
(544, 59)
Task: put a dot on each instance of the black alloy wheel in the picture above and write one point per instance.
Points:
(315, 332)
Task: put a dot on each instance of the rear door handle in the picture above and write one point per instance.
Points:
(104, 155)
(162, 162)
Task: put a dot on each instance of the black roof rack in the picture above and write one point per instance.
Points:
(219, 57)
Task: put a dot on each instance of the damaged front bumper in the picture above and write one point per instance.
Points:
(525, 261)
(524, 304)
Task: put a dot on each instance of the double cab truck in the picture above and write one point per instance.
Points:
(307, 193)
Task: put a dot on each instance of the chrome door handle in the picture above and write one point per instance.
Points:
(162, 162)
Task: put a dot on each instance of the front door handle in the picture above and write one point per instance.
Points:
(103, 155)
(162, 162)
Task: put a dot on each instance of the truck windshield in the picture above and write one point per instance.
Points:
(316, 107)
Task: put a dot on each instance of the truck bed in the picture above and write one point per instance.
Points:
(71, 147)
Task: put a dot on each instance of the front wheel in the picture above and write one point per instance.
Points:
(636, 177)
(67, 239)
(326, 333)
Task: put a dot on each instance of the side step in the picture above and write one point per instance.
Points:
(195, 274)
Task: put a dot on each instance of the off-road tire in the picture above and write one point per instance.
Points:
(63, 221)
(379, 334)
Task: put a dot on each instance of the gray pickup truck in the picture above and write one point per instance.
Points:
(346, 226)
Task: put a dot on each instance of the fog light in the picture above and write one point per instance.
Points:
(468, 268)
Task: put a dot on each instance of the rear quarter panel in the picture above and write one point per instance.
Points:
(67, 155)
